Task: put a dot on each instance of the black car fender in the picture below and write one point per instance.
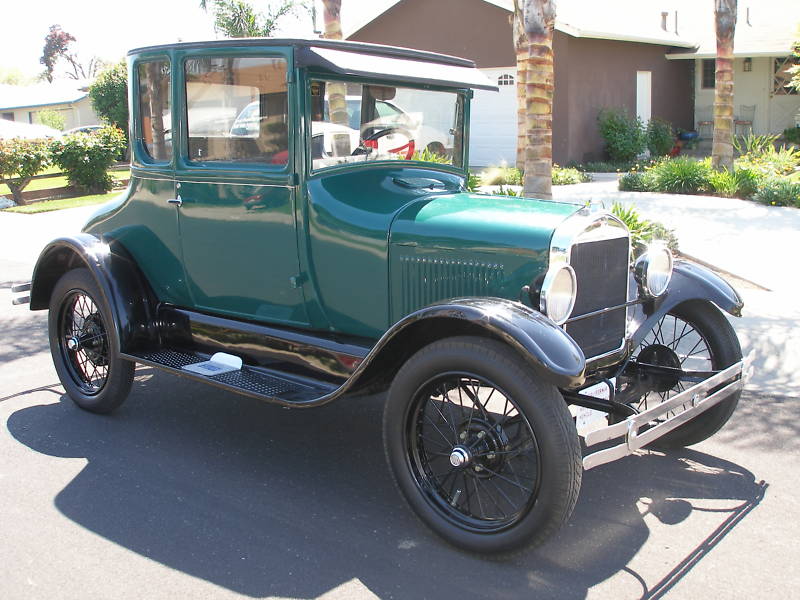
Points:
(551, 353)
(690, 281)
(124, 288)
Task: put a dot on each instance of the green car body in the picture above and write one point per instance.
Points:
(269, 247)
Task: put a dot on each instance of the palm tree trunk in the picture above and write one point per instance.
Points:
(722, 149)
(539, 19)
(521, 50)
(337, 103)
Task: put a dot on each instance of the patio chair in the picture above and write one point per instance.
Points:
(744, 120)
(705, 121)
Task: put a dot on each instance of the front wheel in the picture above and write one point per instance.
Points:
(485, 453)
(694, 336)
(83, 346)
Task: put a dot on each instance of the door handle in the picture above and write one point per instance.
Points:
(177, 201)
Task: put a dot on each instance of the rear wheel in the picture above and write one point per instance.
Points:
(485, 454)
(694, 336)
(83, 346)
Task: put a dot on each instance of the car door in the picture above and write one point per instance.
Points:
(236, 188)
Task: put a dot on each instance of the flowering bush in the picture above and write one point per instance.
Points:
(20, 160)
(85, 158)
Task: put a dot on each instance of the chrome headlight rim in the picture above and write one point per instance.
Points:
(643, 270)
(550, 279)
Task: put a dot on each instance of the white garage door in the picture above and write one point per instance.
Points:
(493, 122)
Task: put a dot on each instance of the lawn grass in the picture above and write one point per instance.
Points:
(58, 180)
(50, 205)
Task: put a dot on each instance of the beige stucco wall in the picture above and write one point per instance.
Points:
(76, 114)
(773, 113)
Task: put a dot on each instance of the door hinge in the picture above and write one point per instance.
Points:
(297, 281)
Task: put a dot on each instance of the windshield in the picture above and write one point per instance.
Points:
(351, 122)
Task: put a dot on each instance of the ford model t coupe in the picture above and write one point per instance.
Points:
(297, 228)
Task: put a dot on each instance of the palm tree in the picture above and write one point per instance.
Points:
(722, 149)
(521, 50)
(337, 103)
(538, 18)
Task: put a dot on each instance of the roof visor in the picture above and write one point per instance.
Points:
(400, 69)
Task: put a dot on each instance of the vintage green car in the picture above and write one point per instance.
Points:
(298, 229)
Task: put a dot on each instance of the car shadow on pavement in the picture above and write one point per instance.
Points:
(270, 502)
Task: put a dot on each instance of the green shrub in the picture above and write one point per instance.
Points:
(20, 160)
(771, 161)
(636, 181)
(660, 139)
(507, 191)
(473, 182)
(502, 176)
(50, 118)
(747, 182)
(754, 144)
(85, 158)
(109, 95)
(426, 155)
(792, 135)
(680, 175)
(723, 183)
(778, 192)
(624, 135)
(568, 176)
(643, 231)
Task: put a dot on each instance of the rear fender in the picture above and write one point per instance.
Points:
(690, 281)
(121, 283)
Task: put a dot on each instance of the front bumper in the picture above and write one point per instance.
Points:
(690, 402)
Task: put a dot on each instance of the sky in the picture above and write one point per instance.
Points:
(109, 29)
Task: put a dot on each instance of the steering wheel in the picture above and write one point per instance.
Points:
(370, 142)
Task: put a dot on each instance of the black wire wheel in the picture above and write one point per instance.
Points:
(696, 338)
(83, 345)
(485, 453)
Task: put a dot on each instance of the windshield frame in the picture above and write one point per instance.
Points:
(463, 96)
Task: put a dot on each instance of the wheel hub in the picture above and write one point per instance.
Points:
(661, 356)
(481, 447)
(73, 343)
(460, 456)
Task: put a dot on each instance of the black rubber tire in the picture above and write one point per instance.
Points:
(542, 406)
(725, 350)
(119, 378)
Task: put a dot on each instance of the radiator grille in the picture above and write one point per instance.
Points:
(428, 280)
(601, 268)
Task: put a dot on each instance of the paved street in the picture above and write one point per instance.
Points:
(187, 491)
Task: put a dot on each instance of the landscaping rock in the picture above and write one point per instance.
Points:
(5, 202)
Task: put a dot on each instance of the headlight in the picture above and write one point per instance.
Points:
(653, 269)
(559, 289)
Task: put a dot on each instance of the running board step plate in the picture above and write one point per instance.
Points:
(254, 382)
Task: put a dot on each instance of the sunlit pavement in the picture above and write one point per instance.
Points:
(187, 491)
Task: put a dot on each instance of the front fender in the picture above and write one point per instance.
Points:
(690, 281)
(124, 289)
(547, 348)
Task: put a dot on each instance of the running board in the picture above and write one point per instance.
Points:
(684, 406)
(256, 382)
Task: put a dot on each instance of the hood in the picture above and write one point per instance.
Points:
(480, 223)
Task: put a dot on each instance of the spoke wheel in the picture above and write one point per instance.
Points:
(694, 337)
(473, 452)
(83, 341)
(84, 346)
(484, 452)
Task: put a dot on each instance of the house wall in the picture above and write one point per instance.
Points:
(589, 73)
(592, 74)
(773, 113)
(76, 114)
(472, 29)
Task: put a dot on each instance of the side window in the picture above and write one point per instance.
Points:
(237, 110)
(154, 109)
